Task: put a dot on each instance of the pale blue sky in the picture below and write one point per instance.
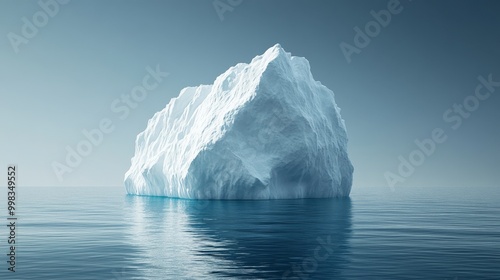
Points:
(396, 90)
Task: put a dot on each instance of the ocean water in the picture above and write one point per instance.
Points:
(102, 233)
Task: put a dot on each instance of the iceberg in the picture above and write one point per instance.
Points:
(263, 130)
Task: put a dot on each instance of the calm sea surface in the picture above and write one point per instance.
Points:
(101, 233)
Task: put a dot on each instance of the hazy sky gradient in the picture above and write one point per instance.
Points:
(393, 92)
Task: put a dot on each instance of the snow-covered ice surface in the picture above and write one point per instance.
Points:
(263, 130)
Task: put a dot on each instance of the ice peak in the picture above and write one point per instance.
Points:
(275, 52)
(276, 49)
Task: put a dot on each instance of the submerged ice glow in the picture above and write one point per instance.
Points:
(263, 130)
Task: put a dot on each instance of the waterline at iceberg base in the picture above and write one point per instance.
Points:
(263, 130)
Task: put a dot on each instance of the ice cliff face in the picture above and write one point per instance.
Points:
(263, 130)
